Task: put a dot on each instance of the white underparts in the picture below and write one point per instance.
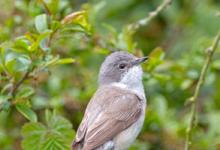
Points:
(132, 81)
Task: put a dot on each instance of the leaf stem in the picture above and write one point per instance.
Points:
(194, 99)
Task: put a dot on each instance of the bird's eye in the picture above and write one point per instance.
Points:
(122, 66)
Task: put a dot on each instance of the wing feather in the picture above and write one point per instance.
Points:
(109, 112)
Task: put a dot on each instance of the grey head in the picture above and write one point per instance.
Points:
(121, 67)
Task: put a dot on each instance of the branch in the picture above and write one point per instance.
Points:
(151, 15)
(47, 10)
(194, 98)
(18, 84)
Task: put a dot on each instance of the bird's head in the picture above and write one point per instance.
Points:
(121, 67)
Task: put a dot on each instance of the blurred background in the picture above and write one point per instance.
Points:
(176, 40)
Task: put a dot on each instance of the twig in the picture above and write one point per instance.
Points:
(194, 98)
(17, 85)
(45, 7)
(51, 37)
(151, 15)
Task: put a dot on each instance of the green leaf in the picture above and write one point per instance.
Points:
(78, 18)
(155, 58)
(73, 29)
(48, 116)
(41, 41)
(27, 112)
(126, 39)
(23, 63)
(21, 44)
(25, 92)
(157, 54)
(53, 6)
(41, 23)
(57, 134)
(50, 60)
(55, 25)
(4, 103)
(2, 50)
(65, 61)
(33, 134)
(6, 87)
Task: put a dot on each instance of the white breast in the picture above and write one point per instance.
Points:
(131, 81)
(124, 139)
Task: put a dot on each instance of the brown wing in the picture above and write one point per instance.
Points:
(91, 112)
(119, 109)
(110, 111)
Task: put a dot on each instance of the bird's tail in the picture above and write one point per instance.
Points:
(76, 145)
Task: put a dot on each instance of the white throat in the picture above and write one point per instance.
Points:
(132, 80)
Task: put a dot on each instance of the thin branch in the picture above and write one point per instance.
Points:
(151, 15)
(194, 98)
(47, 10)
(18, 84)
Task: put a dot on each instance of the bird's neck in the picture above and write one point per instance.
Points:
(132, 81)
(136, 88)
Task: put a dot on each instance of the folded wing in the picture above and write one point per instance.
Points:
(109, 112)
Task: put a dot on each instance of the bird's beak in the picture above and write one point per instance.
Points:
(139, 61)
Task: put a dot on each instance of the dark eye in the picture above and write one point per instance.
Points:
(122, 66)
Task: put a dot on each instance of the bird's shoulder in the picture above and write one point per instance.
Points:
(110, 95)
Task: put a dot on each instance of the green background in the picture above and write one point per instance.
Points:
(64, 59)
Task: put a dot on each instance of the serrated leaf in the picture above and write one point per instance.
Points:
(33, 133)
(57, 134)
(41, 23)
(27, 112)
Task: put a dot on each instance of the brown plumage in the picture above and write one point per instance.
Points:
(110, 111)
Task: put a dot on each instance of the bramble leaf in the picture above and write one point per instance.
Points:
(56, 134)
(26, 112)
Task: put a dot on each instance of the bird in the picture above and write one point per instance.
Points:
(115, 114)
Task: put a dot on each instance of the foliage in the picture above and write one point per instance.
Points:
(56, 135)
(51, 50)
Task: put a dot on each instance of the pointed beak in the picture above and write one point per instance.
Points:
(139, 61)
